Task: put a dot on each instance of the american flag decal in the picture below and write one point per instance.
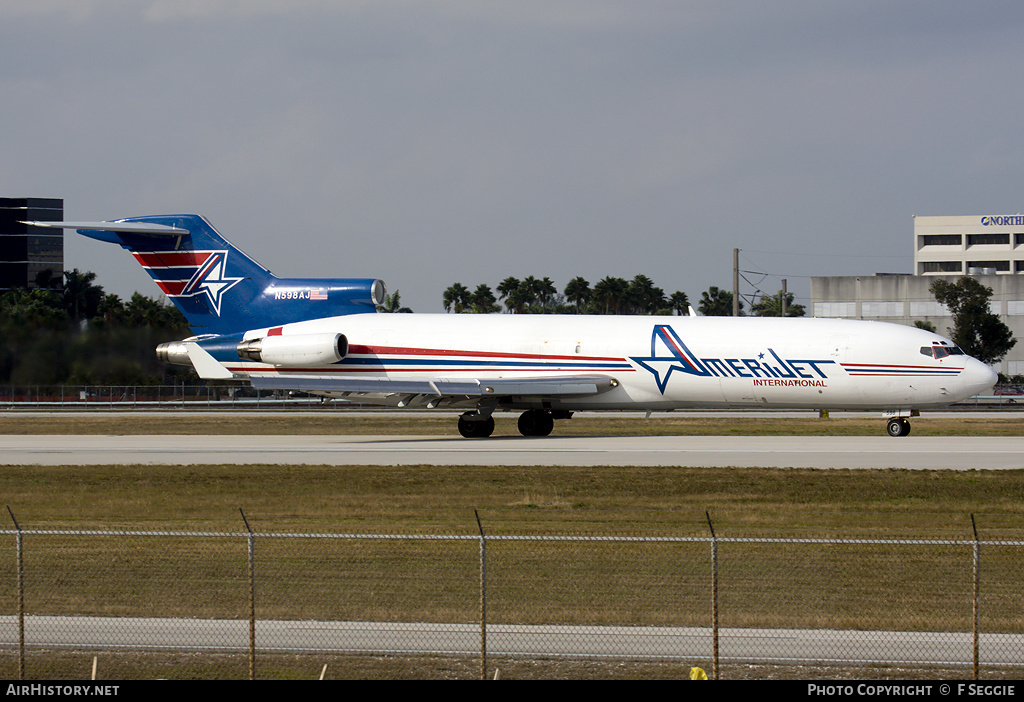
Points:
(317, 294)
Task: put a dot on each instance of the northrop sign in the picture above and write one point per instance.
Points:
(1003, 221)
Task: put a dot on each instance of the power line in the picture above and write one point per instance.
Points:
(832, 254)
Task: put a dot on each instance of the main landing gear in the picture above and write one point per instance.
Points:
(536, 423)
(898, 426)
(474, 425)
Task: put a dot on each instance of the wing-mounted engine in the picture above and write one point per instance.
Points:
(296, 350)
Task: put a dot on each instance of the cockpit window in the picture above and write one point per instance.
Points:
(942, 351)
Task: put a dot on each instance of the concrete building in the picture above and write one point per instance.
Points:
(989, 248)
(30, 256)
(969, 245)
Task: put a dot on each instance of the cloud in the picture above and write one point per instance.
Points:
(429, 142)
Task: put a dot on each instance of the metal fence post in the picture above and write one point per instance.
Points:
(714, 597)
(21, 596)
(977, 596)
(252, 598)
(483, 598)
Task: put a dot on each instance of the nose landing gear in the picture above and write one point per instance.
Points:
(898, 426)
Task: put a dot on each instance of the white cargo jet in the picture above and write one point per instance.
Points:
(324, 336)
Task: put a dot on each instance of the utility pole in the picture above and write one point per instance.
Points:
(785, 297)
(735, 282)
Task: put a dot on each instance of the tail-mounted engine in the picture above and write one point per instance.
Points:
(301, 350)
(174, 352)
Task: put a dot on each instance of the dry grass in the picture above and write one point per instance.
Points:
(511, 499)
(128, 665)
(333, 422)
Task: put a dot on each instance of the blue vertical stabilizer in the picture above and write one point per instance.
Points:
(220, 289)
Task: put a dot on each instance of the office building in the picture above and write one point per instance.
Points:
(29, 256)
(988, 248)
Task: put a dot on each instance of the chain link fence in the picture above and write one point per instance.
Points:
(232, 396)
(273, 605)
(236, 395)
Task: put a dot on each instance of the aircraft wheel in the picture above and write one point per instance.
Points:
(898, 426)
(475, 429)
(486, 428)
(536, 423)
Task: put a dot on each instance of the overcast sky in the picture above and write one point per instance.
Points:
(463, 140)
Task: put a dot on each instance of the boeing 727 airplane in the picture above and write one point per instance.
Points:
(324, 336)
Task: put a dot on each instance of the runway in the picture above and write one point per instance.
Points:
(856, 452)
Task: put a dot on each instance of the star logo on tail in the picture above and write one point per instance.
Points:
(209, 279)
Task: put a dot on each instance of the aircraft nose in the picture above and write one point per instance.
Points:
(978, 377)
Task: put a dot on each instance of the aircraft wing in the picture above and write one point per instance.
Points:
(442, 387)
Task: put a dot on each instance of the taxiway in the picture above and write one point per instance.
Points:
(855, 452)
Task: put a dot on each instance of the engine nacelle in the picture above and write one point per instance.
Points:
(174, 352)
(302, 350)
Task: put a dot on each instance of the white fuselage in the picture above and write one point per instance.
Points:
(657, 363)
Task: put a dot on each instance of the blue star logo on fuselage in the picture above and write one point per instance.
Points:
(668, 355)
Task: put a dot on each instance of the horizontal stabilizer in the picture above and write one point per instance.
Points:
(206, 365)
(125, 227)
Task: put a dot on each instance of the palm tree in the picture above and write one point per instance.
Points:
(81, 297)
(483, 300)
(145, 311)
(506, 289)
(111, 308)
(643, 296)
(771, 306)
(518, 300)
(545, 289)
(578, 292)
(142, 311)
(46, 279)
(393, 304)
(457, 298)
(528, 290)
(637, 293)
(609, 293)
(680, 303)
(715, 302)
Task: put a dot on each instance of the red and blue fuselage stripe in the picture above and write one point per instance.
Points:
(366, 359)
(861, 369)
